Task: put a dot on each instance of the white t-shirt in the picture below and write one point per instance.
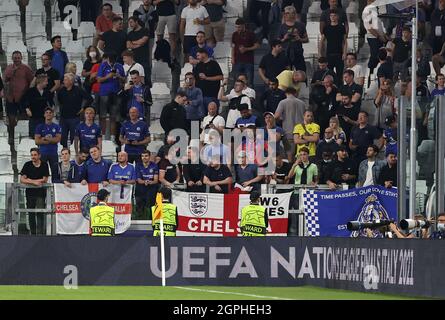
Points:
(233, 115)
(190, 14)
(136, 67)
(218, 122)
(248, 92)
(358, 72)
(372, 21)
(369, 179)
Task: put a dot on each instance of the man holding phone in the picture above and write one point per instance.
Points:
(194, 105)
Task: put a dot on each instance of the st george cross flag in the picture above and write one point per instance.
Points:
(212, 214)
(327, 213)
(73, 207)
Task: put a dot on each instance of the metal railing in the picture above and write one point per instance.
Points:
(18, 206)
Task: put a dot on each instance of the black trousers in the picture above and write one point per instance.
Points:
(374, 46)
(264, 7)
(36, 220)
(90, 9)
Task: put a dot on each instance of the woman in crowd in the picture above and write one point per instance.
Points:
(339, 134)
(93, 57)
(72, 68)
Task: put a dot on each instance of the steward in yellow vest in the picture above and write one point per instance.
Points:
(167, 211)
(254, 220)
(102, 216)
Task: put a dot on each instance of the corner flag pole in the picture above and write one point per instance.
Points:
(161, 222)
(158, 215)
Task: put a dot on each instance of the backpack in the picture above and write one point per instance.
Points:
(234, 103)
(162, 52)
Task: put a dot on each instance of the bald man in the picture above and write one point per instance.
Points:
(122, 172)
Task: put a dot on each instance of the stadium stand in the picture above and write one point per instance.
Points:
(167, 79)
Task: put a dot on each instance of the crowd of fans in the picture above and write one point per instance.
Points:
(322, 134)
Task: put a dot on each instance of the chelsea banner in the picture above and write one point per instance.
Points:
(327, 213)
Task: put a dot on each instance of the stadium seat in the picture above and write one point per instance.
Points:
(9, 10)
(35, 12)
(161, 73)
(75, 50)
(86, 33)
(109, 150)
(222, 50)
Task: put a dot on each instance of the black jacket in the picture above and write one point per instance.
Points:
(388, 174)
(173, 116)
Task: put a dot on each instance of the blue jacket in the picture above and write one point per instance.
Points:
(376, 169)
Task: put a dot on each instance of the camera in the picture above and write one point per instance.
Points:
(130, 83)
(407, 224)
(358, 225)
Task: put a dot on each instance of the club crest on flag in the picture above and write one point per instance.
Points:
(198, 204)
(86, 203)
(371, 211)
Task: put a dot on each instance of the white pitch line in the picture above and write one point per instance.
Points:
(235, 293)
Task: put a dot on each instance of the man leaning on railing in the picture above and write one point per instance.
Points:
(35, 173)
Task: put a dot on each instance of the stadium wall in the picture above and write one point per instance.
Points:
(407, 267)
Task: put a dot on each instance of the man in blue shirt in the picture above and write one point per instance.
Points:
(97, 168)
(194, 106)
(110, 76)
(122, 172)
(201, 44)
(78, 167)
(247, 119)
(134, 136)
(58, 57)
(47, 136)
(147, 183)
(87, 133)
(138, 95)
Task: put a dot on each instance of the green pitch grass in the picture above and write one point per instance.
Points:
(184, 293)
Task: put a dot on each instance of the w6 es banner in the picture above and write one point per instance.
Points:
(73, 207)
(327, 213)
(211, 214)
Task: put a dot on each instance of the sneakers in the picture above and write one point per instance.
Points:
(258, 29)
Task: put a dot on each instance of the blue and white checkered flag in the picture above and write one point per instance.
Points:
(310, 204)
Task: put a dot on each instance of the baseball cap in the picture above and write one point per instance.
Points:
(48, 108)
(342, 148)
(102, 194)
(268, 113)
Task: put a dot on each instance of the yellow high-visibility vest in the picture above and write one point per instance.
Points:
(253, 223)
(169, 217)
(102, 220)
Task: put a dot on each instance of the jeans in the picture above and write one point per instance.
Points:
(36, 220)
(89, 10)
(264, 7)
(246, 68)
(53, 161)
(374, 46)
(68, 126)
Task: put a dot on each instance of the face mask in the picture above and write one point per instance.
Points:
(92, 55)
(441, 226)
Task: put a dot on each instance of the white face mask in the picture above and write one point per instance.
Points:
(441, 226)
(92, 54)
